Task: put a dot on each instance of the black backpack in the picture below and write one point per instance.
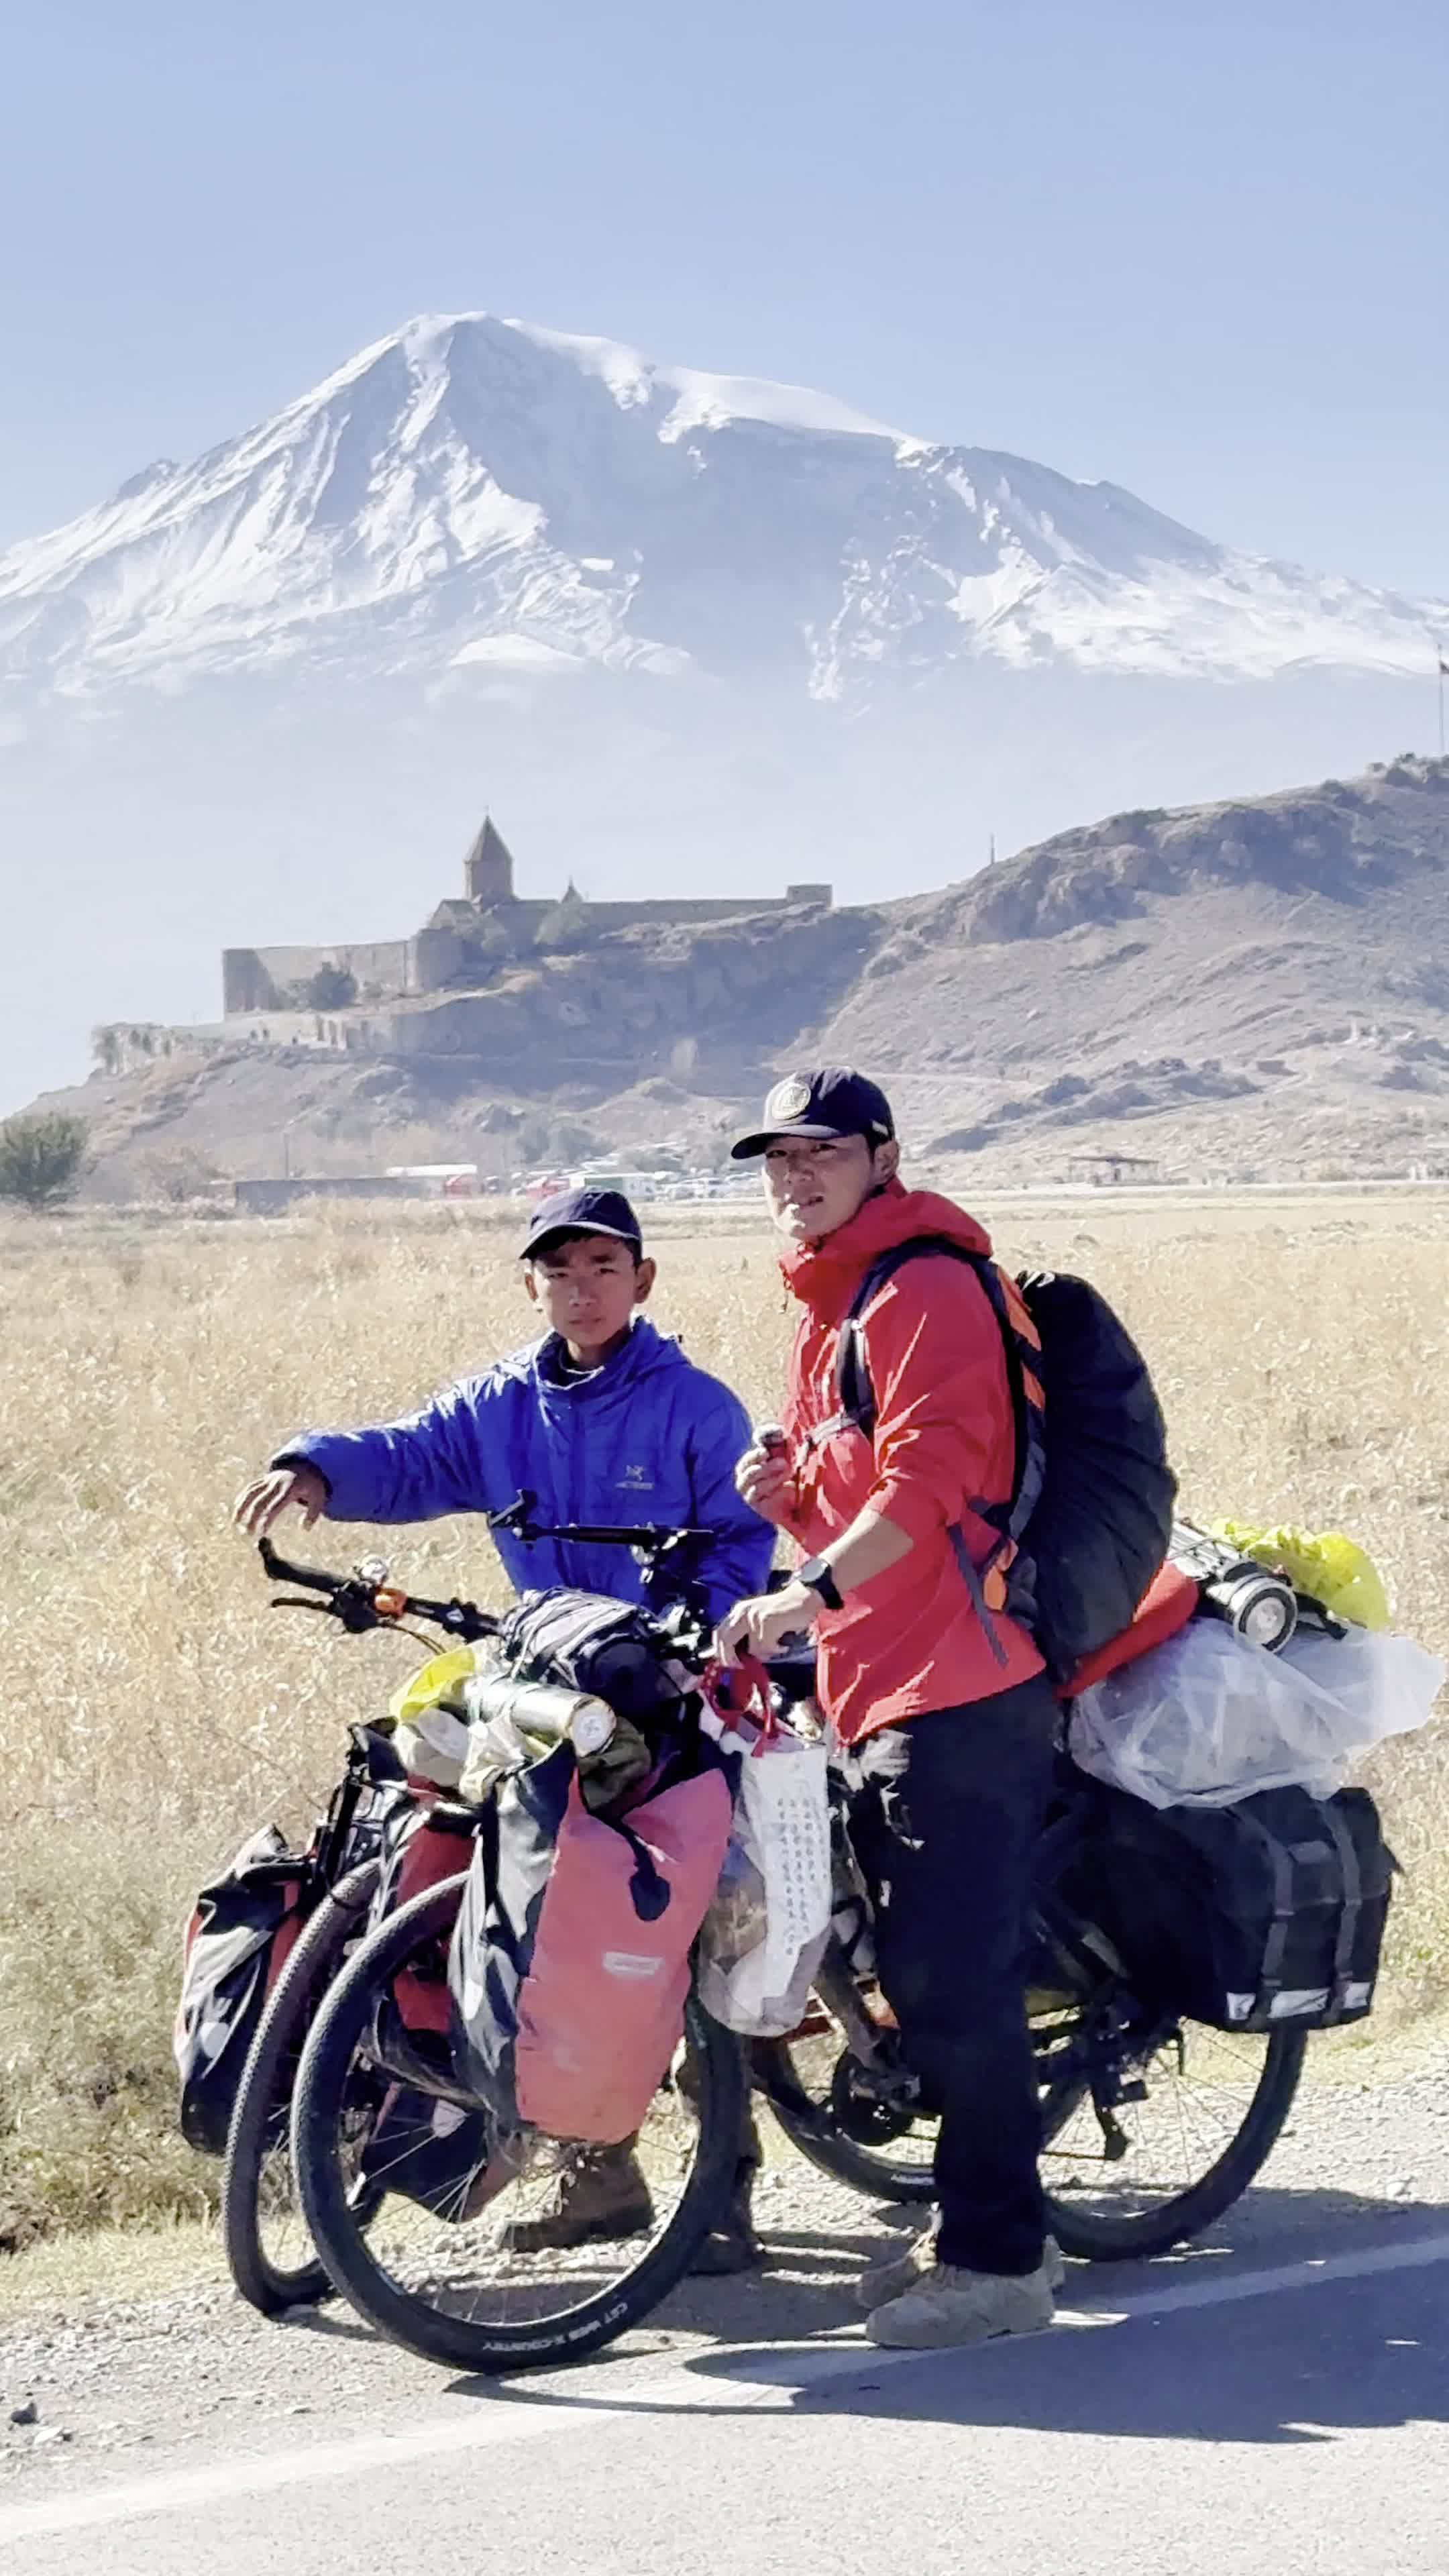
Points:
(1090, 1511)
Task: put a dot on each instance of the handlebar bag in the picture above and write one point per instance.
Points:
(240, 1935)
(570, 1961)
(587, 1642)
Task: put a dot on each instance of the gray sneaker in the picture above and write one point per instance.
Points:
(881, 2282)
(949, 2306)
(897, 2272)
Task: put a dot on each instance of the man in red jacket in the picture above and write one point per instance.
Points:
(942, 1718)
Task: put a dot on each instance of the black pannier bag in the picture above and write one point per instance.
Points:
(239, 1937)
(586, 1642)
(1264, 1914)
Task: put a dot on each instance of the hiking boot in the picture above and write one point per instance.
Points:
(603, 2196)
(733, 2246)
(881, 2282)
(949, 2305)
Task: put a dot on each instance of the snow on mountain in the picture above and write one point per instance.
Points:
(472, 494)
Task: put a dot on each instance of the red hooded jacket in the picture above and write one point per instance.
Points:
(911, 1639)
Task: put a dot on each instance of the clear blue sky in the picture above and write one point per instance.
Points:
(1198, 246)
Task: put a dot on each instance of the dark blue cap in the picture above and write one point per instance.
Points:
(583, 1212)
(832, 1101)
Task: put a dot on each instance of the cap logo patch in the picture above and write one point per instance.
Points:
(789, 1099)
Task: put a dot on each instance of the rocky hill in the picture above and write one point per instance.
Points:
(676, 625)
(1256, 984)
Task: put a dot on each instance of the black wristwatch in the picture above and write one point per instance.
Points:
(817, 1574)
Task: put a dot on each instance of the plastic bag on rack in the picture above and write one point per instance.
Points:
(765, 1933)
(1207, 1718)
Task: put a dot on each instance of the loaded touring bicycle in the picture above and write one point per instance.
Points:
(381, 2142)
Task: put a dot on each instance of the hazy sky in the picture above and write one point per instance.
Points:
(1200, 249)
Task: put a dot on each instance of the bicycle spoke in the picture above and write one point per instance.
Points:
(466, 2251)
(1167, 2143)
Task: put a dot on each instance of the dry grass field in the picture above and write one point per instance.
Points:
(155, 1709)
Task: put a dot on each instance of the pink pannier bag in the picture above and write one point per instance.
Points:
(570, 1962)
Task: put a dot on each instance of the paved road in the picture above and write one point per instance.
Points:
(1271, 2402)
(1217, 2413)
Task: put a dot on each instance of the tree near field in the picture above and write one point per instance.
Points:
(330, 989)
(41, 1153)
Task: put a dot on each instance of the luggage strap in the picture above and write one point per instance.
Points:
(1352, 1904)
(1280, 1863)
(717, 1692)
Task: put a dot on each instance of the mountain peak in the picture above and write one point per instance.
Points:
(470, 491)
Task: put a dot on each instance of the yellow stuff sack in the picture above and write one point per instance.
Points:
(434, 1685)
(1327, 1566)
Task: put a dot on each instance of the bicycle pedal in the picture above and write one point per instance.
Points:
(1115, 2141)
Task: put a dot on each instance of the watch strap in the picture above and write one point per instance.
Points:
(818, 1576)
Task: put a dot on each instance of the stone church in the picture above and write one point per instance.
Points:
(465, 939)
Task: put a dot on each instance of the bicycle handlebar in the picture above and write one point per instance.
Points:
(362, 1601)
(650, 1538)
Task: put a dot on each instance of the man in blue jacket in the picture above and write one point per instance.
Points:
(604, 1420)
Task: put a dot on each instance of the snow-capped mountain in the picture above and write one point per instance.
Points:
(473, 494)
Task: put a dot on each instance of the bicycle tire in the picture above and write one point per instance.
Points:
(808, 2126)
(264, 2101)
(1094, 2238)
(383, 2302)
(1087, 2236)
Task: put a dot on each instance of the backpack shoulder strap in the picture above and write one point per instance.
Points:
(1021, 1348)
(852, 1370)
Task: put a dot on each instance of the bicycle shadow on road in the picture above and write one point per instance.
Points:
(1288, 2364)
(1292, 2365)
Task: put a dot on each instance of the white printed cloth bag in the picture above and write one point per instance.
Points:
(765, 1933)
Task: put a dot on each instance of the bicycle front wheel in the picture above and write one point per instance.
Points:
(817, 2091)
(469, 2260)
(269, 2248)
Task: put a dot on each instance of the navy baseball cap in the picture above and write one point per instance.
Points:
(582, 1212)
(830, 1102)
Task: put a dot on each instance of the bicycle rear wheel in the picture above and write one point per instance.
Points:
(269, 2248)
(1153, 2129)
(446, 2278)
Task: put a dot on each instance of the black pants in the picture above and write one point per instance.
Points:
(945, 1811)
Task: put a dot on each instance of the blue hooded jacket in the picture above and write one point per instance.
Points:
(647, 1437)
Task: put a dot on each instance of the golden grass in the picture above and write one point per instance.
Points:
(155, 1709)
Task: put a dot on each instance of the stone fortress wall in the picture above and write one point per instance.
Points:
(274, 980)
